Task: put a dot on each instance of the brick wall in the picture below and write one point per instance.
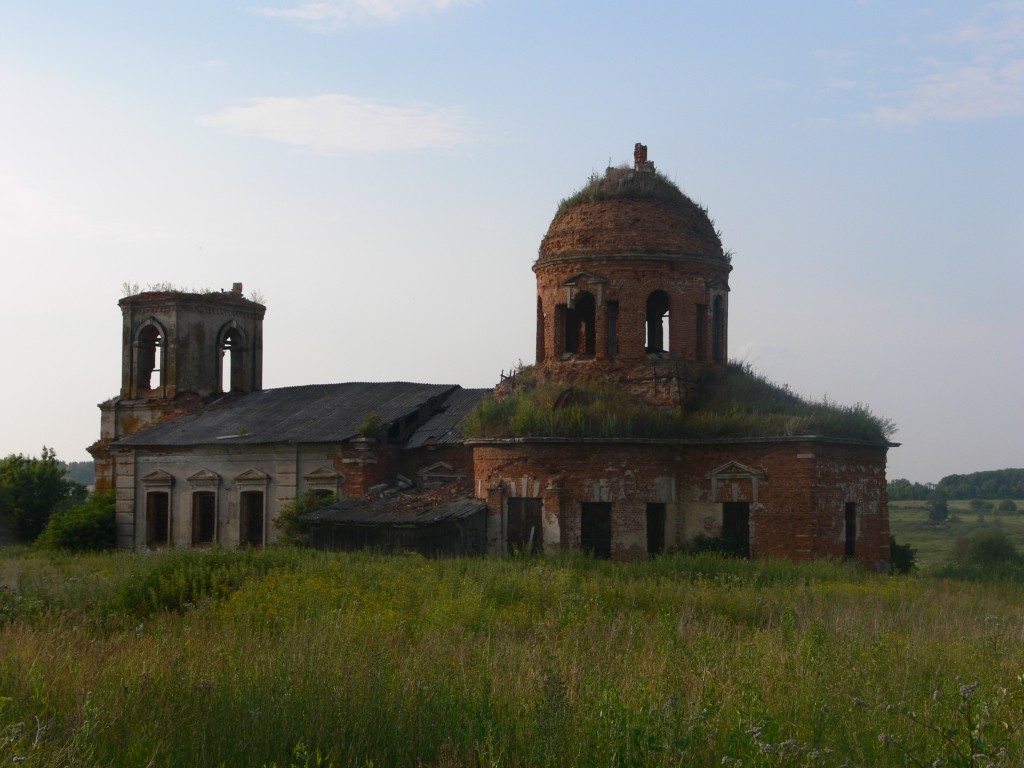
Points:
(797, 491)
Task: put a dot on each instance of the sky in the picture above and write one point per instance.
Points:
(381, 172)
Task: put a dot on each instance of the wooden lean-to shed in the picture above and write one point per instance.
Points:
(402, 523)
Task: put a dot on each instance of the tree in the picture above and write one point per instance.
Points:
(985, 547)
(903, 556)
(32, 489)
(938, 506)
(294, 530)
(1007, 505)
(82, 528)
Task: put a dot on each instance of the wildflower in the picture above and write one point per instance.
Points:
(967, 690)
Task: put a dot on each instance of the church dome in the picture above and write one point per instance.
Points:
(630, 212)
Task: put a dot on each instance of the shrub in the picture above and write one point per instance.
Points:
(726, 546)
(83, 528)
(938, 507)
(370, 426)
(1007, 505)
(903, 556)
(294, 530)
(984, 547)
(979, 505)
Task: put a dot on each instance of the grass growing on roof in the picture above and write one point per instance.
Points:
(732, 402)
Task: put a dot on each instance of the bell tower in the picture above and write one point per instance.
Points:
(179, 350)
(205, 344)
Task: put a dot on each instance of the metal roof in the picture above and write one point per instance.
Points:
(398, 510)
(443, 427)
(317, 413)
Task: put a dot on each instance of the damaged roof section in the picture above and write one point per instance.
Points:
(443, 428)
(321, 413)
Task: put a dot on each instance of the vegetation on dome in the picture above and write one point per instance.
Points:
(131, 290)
(624, 183)
(734, 402)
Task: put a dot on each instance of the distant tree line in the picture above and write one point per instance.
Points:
(993, 484)
(82, 472)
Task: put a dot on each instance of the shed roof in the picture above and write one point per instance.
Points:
(318, 413)
(398, 510)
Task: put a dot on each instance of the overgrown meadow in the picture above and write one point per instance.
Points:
(290, 657)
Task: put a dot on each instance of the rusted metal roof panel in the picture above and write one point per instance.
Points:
(319, 413)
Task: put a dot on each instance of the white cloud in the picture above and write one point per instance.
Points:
(967, 93)
(337, 124)
(977, 74)
(336, 14)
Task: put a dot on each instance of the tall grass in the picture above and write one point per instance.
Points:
(370, 660)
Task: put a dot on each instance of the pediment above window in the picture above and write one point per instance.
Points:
(324, 475)
(584, 277)
(158, 478)
(733, 470)
(734, 481)
(252, 476)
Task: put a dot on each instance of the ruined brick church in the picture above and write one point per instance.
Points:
(632, 298)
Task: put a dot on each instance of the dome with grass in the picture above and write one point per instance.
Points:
(631, 212)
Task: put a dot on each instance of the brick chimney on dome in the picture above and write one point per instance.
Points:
(640, 161)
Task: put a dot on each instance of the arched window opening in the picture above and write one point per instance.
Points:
(657, 322)
(718, 331)
(231, 362)
(579, 325)
(149, 374)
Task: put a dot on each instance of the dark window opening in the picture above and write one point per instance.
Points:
(718, 331)
(323, 494)
(658, 322)
(540, 331)
(524, 525)
(251, 518)
(579, 325)
(149, 373)
(204, 517)
(736, 526)
(158, 519)
(231, 371)
(612, 308)
(655, 529)
(596, 529)
(702, 331)
(850, 550)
